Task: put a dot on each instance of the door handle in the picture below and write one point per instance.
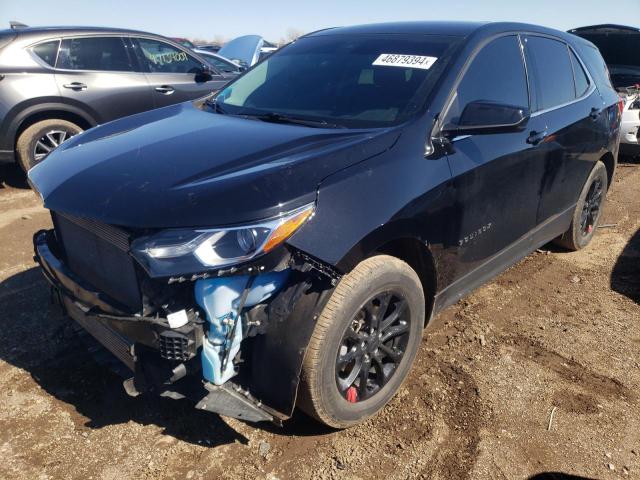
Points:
(77, 86)
(165, 90)
(595, 113)
(535, 137)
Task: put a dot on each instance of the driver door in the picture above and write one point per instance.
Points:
(496, 176)
(174, 74)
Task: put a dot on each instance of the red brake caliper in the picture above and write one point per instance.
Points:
(352, 395)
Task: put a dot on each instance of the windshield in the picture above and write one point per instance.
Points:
(357, 81)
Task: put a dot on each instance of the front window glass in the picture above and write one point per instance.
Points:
(164, 58)
(94, 53)
(354, 81)
(495, 75)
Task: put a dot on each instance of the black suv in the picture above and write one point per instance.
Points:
(57, 82)
(286, 242)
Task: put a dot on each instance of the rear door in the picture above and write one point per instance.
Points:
(496, 176)
(565, 100)
(97, 74)
(174, 74)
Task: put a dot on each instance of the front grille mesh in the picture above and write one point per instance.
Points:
(98, 254)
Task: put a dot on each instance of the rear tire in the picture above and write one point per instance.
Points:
(49, 133)
(374, 316)
(587, 212)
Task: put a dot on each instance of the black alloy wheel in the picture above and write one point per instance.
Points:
(373, 346)
(591, 207)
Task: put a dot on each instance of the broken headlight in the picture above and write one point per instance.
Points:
(185, 251)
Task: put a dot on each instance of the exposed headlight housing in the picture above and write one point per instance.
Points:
(184, 251)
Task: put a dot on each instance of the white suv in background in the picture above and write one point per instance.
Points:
(620, 48)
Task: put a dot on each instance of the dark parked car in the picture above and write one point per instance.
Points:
(287, 243)
(56, 82)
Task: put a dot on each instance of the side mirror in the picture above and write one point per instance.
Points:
(205, 73)
(488, 117)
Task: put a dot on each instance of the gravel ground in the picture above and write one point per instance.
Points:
(554, 336)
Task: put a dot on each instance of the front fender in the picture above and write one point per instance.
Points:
(397, 194)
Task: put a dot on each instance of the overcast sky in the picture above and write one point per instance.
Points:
(272, 18)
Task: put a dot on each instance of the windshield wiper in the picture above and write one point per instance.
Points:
(280, 118)
(216, 107)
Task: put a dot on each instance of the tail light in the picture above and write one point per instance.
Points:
(620, 105)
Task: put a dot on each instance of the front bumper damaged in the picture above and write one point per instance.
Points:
(239, 346)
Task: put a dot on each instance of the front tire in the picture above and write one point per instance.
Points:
(364, 342)
(42, 138)
(588, 211)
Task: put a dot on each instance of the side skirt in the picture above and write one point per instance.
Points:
(504, 259)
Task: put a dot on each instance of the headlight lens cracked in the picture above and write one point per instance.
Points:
(181, 251)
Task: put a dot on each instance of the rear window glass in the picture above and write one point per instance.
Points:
(582, 81)
(550, 72)
(47, 51)
(94, 53)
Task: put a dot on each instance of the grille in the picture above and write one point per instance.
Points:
(98, 253)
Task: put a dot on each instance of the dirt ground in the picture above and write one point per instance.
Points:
(555, 336)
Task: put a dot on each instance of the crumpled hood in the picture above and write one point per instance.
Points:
(183, 166)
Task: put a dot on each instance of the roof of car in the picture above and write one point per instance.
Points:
(441, 28)
(462, 29)
(68, 30)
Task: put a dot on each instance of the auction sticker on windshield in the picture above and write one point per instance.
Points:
(405, 61)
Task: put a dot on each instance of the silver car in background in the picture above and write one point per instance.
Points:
(58, 81)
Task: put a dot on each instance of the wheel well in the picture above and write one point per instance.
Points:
(610, 164)
(419, 257)
(48, 115)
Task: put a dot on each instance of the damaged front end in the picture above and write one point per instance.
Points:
(220, 316)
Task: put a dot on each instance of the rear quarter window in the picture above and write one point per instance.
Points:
(581, 79)
(47, 52)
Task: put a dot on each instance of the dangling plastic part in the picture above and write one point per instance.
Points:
(220, 298)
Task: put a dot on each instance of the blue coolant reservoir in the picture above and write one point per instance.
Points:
(219, 298)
